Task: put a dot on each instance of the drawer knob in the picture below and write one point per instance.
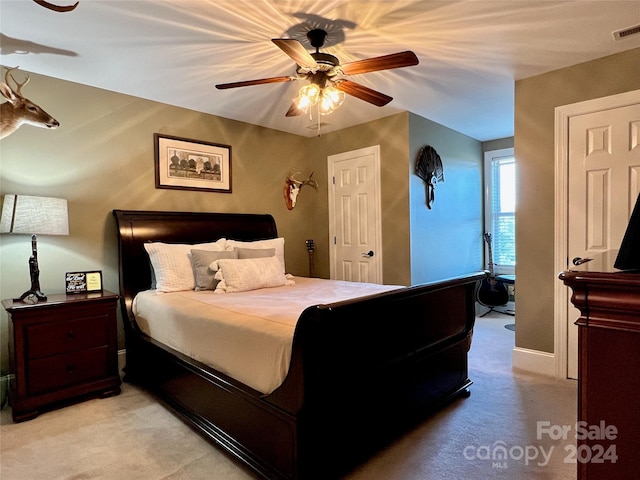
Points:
(71, 368)
(70, 335)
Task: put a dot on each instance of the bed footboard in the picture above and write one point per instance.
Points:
(372, 367)
(361, 370)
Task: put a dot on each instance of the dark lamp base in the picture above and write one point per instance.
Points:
(28, 297)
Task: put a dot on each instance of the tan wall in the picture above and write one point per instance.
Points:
(391, 133)
(102, 158)
(535, 101)
(497, 144)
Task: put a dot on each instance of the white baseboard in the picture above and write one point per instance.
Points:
(122, 361)
(534, 361)
(4, 390)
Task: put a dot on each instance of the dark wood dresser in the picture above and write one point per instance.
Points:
(61, 350)
(608, 369)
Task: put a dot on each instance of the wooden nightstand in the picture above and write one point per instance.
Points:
(61, 350)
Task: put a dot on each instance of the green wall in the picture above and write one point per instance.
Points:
(101, 158)
(535, 101)
(392, 134)
(419, 245)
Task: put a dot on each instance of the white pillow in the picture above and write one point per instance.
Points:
(237, 275)
(277, 243)
(172, 264)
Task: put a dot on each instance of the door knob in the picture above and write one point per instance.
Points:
(369, 254)
(579, 260)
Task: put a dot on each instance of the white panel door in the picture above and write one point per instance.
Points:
(354, 216)
(604, 182)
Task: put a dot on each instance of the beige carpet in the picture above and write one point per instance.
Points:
(131, 436)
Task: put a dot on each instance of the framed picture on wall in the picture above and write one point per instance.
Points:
(186, 164)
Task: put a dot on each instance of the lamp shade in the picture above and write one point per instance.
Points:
(34, 215)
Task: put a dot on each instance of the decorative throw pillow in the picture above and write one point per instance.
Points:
(172, 266)
(255, 252)
(277, 243)
(200, 261)
(250, 274)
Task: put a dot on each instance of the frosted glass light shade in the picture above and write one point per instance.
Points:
(308, 97)
(330, 99)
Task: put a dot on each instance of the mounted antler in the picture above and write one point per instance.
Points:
(292, 188)
(19, 110)
(56, 8)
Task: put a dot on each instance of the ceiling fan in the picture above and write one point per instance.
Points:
(327, 82)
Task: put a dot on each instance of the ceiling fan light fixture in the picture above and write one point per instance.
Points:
(327, 85)
(308, 97)
(330, 100)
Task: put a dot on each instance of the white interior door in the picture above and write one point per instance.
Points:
(354, 216)
(604, 182)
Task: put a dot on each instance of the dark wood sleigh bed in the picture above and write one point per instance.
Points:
(398, 356)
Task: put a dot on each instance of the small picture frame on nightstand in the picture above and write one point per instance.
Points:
(84, 282)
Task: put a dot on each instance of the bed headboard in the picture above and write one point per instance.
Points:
(136, 227)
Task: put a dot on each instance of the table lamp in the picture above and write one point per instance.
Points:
(24, 214)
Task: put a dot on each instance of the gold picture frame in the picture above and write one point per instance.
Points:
(83, 282)
(186, 164)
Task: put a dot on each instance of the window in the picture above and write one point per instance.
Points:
(500, 209)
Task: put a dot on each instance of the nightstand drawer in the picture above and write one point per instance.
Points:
(66, 336)
(61, 349)
(67, 369)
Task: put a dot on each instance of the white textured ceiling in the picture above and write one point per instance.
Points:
(175, 51)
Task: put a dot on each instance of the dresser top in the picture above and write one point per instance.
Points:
(600, 270)
(58, 299)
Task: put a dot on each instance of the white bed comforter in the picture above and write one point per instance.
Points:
(246, 335)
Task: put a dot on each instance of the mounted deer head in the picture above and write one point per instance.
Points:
(19, 110)
(292, 188)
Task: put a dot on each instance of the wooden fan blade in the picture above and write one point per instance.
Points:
(56, 8)
(386, 62)
(261, 81)
(296, 51)
(363, 93)
(294, 110)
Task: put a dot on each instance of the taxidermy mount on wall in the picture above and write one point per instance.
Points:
(19, 110)
(292, 188)
(429, 169)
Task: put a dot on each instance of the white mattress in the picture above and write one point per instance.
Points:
(246, 335)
